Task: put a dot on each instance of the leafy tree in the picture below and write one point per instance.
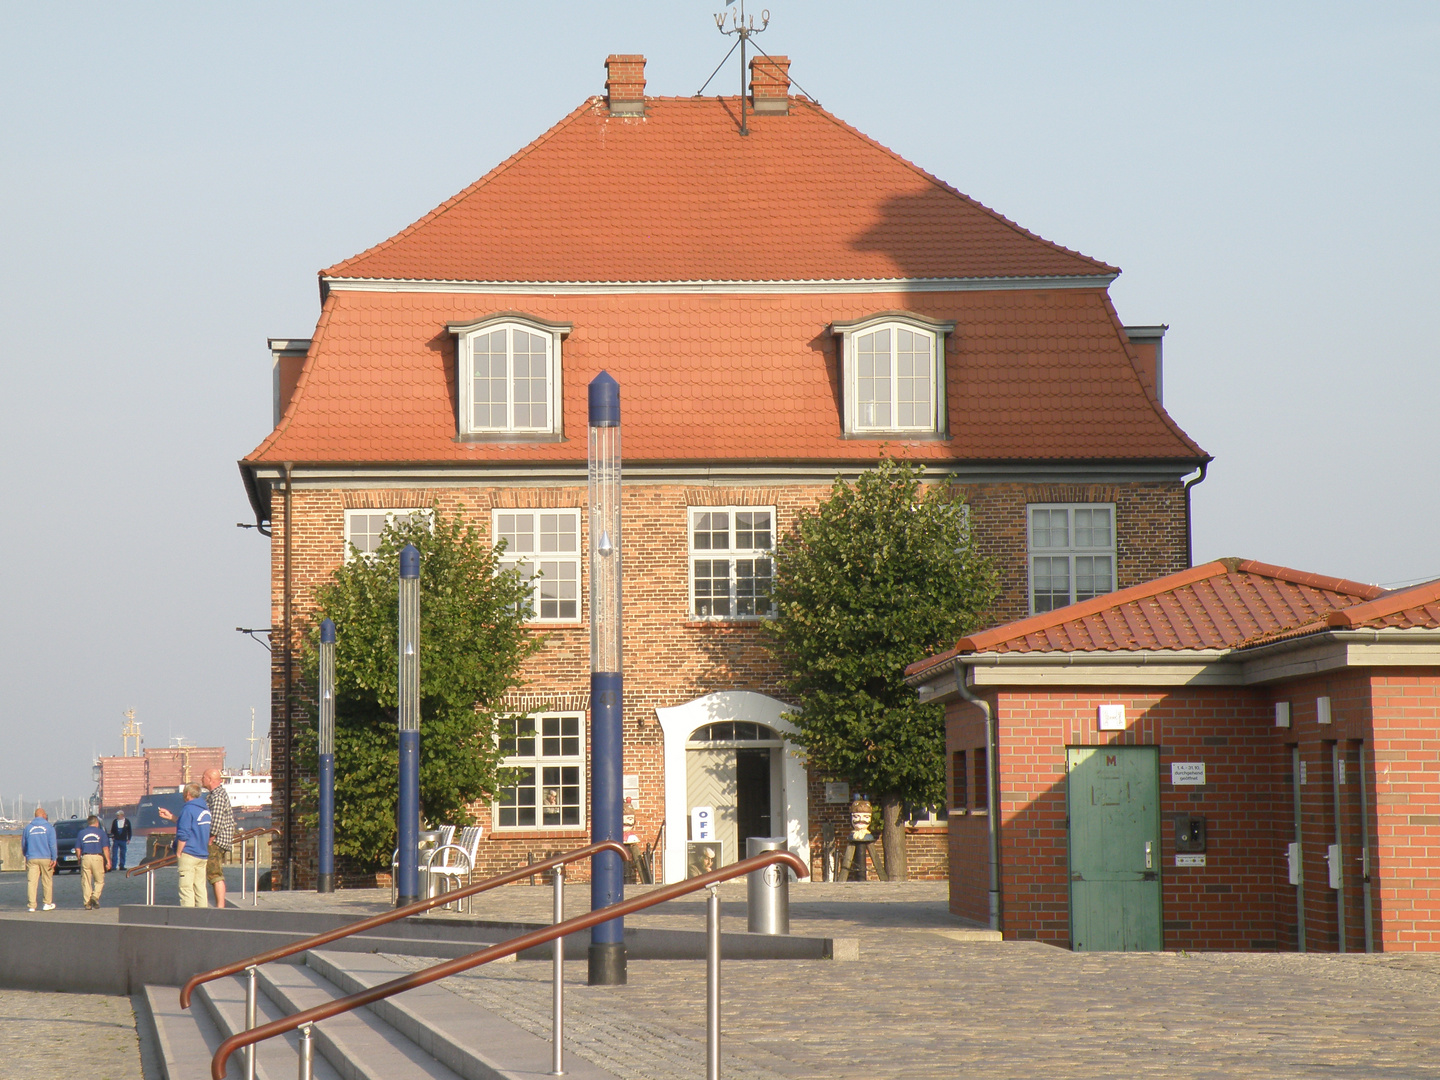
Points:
(883, 573)
(472, 643)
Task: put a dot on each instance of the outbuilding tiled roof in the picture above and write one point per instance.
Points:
(1227, 604)
(679, 195)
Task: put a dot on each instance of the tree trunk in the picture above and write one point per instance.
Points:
(893, 833)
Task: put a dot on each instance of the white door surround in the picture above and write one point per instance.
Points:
(676, 725)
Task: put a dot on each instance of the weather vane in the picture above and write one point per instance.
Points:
(743, 26)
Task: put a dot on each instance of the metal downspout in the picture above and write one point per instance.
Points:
(1189, 535)
(991, 792)
(286, 689)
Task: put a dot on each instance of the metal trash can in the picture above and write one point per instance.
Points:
(767, 891)
(429, 841)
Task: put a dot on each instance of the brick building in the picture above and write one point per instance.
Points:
(1237, 756)
(779, 308)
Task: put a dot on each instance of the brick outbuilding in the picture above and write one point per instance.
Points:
(1237, 756)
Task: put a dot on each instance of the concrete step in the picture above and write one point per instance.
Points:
(359, 1044)
(184, 1041)
(223, 1002)
(472, 1042)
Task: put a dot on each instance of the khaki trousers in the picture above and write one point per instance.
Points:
(38, 871)
(192, 881)
(92, 877)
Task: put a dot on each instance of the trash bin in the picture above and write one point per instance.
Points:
(767, 889)
(429, 840)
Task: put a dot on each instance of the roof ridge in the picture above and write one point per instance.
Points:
(1315, 581)
(533, 144)
(301, 382)
(943, 186)
(1050, 619)
(1389, 603)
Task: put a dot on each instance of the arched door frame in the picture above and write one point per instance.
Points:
(678, 722)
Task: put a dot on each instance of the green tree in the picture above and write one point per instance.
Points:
(881, 574)
(472, 643)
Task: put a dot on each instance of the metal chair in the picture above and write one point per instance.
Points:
(454, 862)
(447, 833)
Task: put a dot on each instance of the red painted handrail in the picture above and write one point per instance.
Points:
(416, 908)
(497, 952)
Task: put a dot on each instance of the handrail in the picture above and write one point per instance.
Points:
(497, 952)
(282, 951)
(241, 841)
(154, 864)
(250, 834)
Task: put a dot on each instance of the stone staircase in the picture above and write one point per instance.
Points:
(426, 1032)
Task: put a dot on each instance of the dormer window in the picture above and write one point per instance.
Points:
(509, 375)
(893, 373)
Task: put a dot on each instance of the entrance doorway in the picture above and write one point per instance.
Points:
(732, 768)
(1114, 810)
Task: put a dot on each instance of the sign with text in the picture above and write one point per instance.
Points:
(837, 792)
(702, 823)
(1189, 860)
(1187, 772)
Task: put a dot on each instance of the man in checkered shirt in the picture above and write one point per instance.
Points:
(222, 831)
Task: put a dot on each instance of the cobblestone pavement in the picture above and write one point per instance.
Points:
(44, 1036)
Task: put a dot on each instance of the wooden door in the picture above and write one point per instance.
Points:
(711, 781)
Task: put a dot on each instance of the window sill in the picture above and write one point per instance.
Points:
(927, 826)
(726, 620)
(896, 436)
(555, 624)
(510, 437)
(538, 832)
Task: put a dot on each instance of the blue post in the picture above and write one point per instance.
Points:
(408, 807)
(607, 881)
(325, 871)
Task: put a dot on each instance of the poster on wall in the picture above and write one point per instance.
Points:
(702, 856)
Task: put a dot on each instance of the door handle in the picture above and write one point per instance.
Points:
(1149, 858)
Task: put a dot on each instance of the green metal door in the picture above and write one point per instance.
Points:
(1114, 814)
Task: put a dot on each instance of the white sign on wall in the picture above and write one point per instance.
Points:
(1189, 860)
(1112, 718)
(837, 792)
(702, 823)
(1187, 772)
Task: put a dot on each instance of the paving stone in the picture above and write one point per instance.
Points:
(43, 1036)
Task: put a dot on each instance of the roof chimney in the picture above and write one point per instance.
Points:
(770, 84)
(625, 85)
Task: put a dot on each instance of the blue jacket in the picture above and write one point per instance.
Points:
(193, 827)
(92, 841)
(39, 840)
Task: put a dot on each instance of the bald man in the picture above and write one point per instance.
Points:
(222, 831)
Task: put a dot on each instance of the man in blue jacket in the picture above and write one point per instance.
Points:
(93, 847)
(192, 847)
(38, 843)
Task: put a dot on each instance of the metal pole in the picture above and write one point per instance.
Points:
(243, 845)
(1335, 759)
(557, 992)
(607, 880)
(255, 872)
(150, 886)
(1365, 852)
(250, 981)
(307, 1052)
(325, 871)
(1295, 767)
(408, 807)
(712, 984)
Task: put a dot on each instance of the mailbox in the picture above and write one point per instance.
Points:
(1189, 832)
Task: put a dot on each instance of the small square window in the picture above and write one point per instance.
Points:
(546, 754)
(738, 587)
(545, 546)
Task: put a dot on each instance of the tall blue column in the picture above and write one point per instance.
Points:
(325, 872)
(607, 712)
(408, 806)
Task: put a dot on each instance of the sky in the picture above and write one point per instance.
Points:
(173, 175)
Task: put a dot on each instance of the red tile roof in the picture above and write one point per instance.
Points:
(680, 195)
(1228, 604)
(1032, 375)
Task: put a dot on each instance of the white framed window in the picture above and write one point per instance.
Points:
(363, 528)
(893, 373)
(545, 545)
(731, 561)
(546, 755)
(1072, 553)
(509, 375)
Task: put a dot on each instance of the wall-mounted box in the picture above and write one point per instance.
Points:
(1189, 833)
(1282, 714)
(1292, 857)
(1322, 710)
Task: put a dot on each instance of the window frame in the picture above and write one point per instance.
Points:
(465, 335)
(1071, 551)
(351, 548)
(538, 761)
(536, 557)
(734, 555)
(936, 330)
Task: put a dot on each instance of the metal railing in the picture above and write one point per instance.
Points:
(242, 839)
(148, 869)
(305, 1019)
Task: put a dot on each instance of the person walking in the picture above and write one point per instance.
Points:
(222, 831)
(93, 847)
(40, 850)
(120, 833)
(192, 847)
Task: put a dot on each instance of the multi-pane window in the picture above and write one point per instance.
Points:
(545, 546)
(731, 565)
(543, 756)
(1072, 554)
(509, 376)
(363, 528)
(894, 380)
(980, 758)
